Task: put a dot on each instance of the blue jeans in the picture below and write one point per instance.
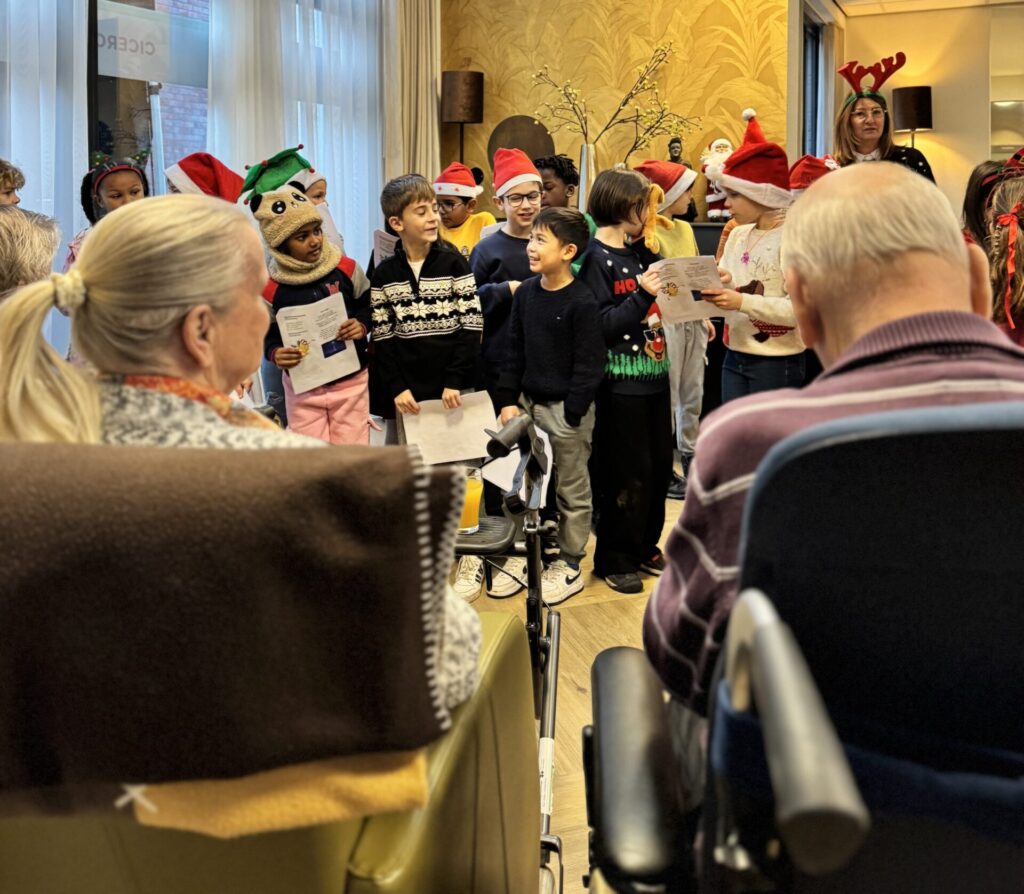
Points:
(273, 388)
(744, 374)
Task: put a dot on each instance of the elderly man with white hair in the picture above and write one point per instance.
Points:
(897, 307)
(28, 242)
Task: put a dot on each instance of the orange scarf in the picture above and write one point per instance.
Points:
(220, 403)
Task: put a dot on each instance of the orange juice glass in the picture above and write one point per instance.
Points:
(470, 522)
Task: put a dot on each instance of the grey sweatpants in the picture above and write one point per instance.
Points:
(687, 356)
(570, 448)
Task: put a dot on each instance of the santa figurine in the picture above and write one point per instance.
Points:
(714, 156)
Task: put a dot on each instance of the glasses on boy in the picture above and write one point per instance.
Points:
(516, 200)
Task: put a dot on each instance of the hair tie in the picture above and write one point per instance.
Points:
(68, 289)
(1012, 220)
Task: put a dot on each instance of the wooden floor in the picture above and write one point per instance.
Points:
(591, 621)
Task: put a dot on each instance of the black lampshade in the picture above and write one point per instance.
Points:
(462, 97)
(912, 108)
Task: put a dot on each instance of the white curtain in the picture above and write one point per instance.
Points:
(411, 65)
(332, 100)
(245, 115)
(284, 72)
(43, 115)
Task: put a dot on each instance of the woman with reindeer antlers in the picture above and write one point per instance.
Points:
(864, 128)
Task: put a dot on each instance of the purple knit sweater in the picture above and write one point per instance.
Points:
(933, 359)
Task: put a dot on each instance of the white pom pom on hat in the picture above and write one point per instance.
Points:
(748, 114)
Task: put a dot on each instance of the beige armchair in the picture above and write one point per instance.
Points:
(166, 619)
(478, 833)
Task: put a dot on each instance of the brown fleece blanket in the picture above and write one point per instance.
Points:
(183, 614)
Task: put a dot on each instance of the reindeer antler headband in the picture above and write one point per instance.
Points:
(854, 73)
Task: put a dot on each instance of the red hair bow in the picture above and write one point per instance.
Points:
(1010, 219)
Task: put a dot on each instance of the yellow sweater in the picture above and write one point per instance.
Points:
(679, 242)
(466, 237)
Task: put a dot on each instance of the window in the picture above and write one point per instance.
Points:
(821, 20)
(813, 105)
(149, 96)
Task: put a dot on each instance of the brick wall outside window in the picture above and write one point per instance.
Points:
(183, 109)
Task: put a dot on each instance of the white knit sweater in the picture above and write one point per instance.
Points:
(764, 324)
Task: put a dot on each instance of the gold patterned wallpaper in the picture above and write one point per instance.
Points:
(729, 55)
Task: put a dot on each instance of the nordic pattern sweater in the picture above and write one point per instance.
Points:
(426, 331)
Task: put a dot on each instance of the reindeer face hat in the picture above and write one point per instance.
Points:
(854, 74)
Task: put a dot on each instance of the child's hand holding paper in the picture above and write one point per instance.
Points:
(683, 281)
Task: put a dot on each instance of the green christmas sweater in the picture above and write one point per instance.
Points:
(637, 361)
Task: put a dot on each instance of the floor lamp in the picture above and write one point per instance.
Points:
(911, 110)
(462, 100)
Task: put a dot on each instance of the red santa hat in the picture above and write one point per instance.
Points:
(512, 167)
(202, 174)
(457, 180)
(809, 168)
(673, 178)
(758, 170)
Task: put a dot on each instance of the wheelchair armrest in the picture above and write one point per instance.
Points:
(639, 832)
(818, 807)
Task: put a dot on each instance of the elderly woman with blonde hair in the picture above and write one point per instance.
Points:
(165, 302)
(28, 242)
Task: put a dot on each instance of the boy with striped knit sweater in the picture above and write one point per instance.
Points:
(427, 322)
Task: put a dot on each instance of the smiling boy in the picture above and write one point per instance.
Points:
(499, 262)
(554, 366)
(426, 315)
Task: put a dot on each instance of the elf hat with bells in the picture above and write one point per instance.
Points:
(274, 172)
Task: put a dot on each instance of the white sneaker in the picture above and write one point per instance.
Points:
(468, 577)
(502, 585)
(560, 581)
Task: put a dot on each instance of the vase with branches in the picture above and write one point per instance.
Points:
(641, 109)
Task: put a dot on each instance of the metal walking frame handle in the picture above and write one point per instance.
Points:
(520, 433)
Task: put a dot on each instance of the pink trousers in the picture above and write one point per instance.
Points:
(337, 414)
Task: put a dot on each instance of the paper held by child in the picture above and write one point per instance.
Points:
(312, 328)
(383, 246)
(501, 472)
(682, 281)
(449, 436)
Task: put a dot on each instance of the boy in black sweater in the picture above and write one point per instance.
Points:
(499, 261)
(555, 363)
(427, 322)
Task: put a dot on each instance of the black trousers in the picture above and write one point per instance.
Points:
(633, 450)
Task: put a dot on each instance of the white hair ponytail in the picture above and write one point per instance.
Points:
(140, 271)
(42, 396)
